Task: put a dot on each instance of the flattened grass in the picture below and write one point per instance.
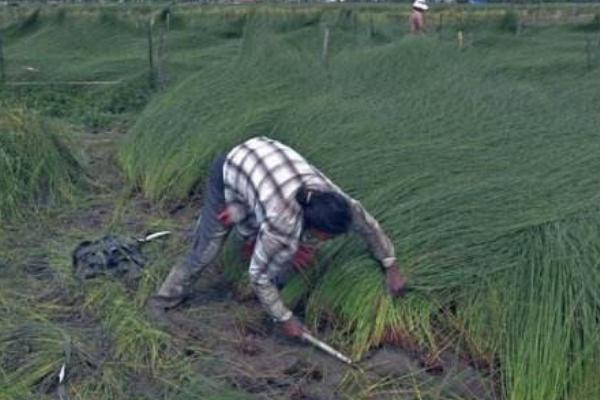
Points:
(480, 164)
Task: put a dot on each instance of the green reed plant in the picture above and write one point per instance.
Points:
(137, 342)
(38, 168)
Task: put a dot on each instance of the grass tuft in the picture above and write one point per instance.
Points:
(38, 168)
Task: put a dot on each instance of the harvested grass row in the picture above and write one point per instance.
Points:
(479, 164)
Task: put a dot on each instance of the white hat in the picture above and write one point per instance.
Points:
(420, 5)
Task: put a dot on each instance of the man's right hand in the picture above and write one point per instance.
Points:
(226, 217)
(396, 282)
(292, 328)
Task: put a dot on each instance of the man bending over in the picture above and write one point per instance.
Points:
(281, 205)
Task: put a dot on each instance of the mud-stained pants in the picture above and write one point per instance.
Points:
(208, 239)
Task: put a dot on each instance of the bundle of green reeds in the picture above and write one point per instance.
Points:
(38, 169)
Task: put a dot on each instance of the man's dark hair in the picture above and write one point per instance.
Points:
(327, 212)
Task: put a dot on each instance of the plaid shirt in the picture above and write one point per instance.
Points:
(261, 177)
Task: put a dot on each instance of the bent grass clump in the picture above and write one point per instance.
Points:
(479, 175)
(38, 169)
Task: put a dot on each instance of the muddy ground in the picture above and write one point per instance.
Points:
(257, 358)
(239, 343)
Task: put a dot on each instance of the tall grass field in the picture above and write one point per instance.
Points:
(478, 155)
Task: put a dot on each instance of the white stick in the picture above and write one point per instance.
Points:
(61, 374)
(325, 347)
(155, 236)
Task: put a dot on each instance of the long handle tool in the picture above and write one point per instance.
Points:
(325, 347)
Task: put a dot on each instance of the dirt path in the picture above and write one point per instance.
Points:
(241, 345)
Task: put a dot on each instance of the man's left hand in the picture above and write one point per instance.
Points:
(396, 283)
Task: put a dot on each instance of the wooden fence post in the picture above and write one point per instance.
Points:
(588, 53)
(325, 53)
(160, 59)
(2, 70)
(152, 77)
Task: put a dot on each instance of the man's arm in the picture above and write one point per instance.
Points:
(270, 299)
(271, 254)
(369, 229)
(380, 245)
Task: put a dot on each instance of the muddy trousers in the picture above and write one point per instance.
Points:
(209, 235)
